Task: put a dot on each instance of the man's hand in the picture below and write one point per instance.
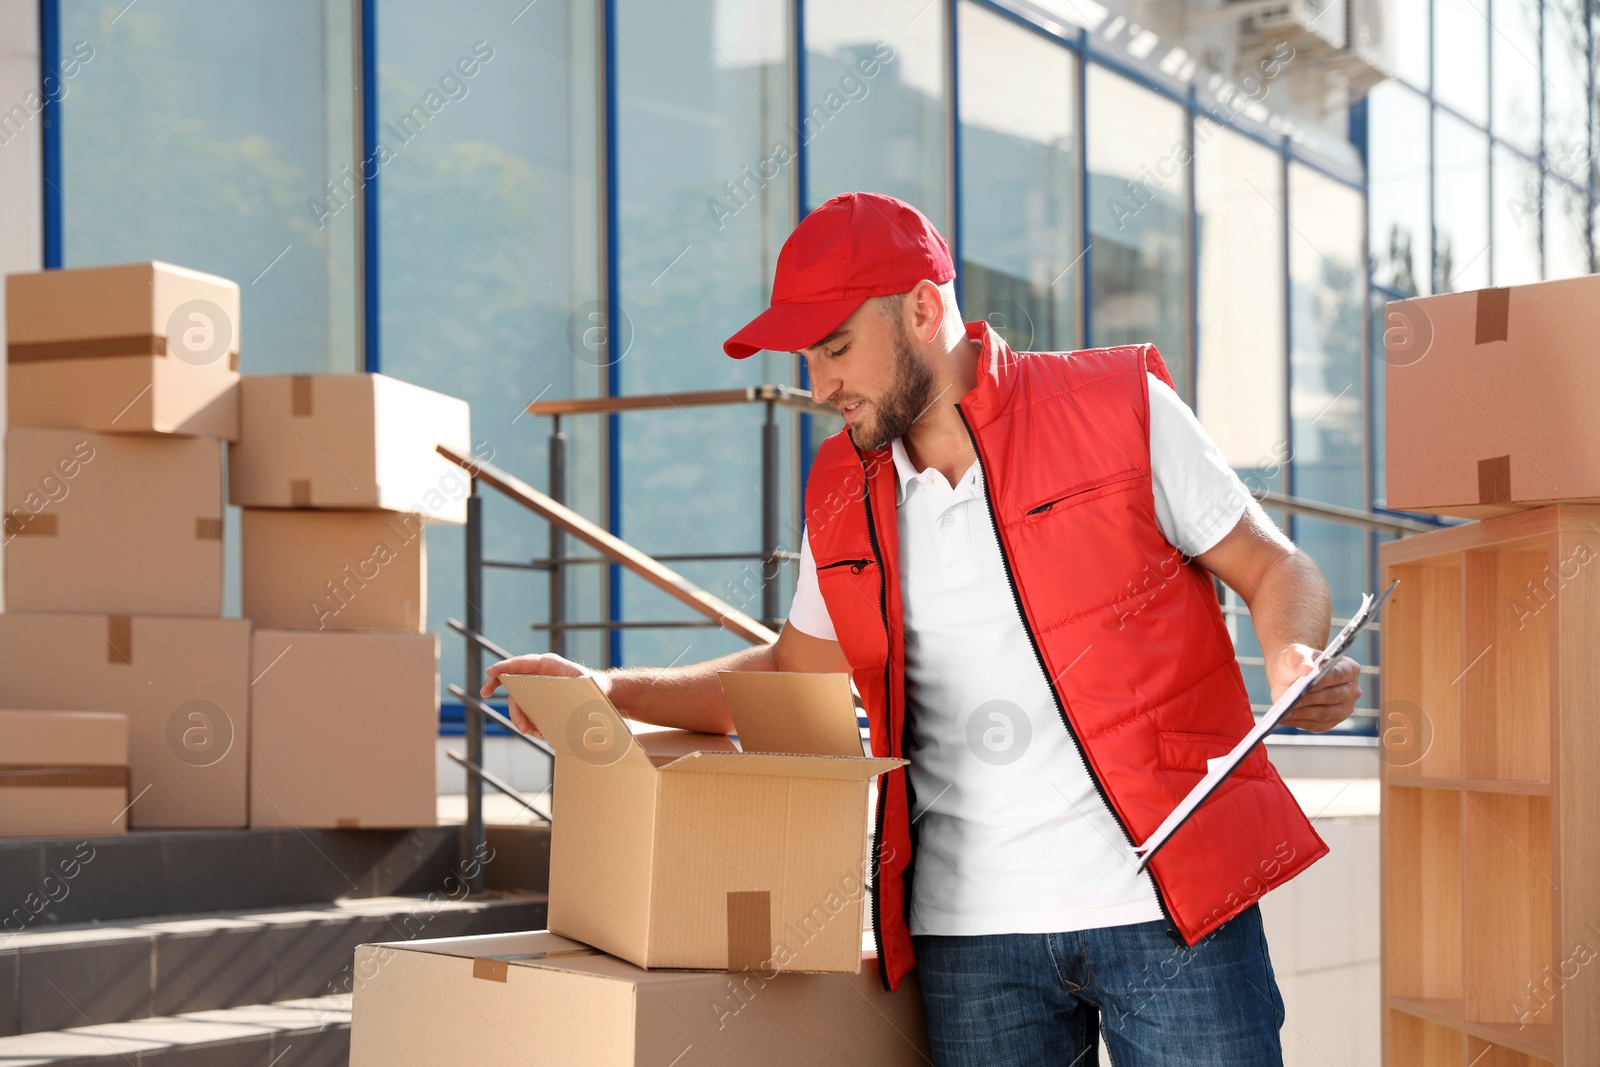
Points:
(536, 663)
(1329, 702)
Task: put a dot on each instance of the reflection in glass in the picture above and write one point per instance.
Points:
(488, 253)
(1566, 226)
(1566, 89)
(1397, 181)
(1516, 219)
(705, 156)
(1460, 205)
(1137, 260)
(169, 153)
(1240, 363)
(884, 131)
(1021, 254)
(1329, 426)
(1410, 28)
(1461, 41)
(1514, 47)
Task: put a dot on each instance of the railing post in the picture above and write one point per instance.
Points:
(558, 570)
(473, 719)
(769, 516)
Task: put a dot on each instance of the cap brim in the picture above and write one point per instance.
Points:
(790, 327)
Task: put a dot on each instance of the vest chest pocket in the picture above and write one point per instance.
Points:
(1183, 751)
(1081, 493)
(851, 589)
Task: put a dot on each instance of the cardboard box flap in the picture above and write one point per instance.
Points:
(769, 764)
(794, 712)
(664, 746)
(577, 720)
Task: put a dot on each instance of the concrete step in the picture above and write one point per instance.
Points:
(50, 881)
(307, 1032)
(59, 978)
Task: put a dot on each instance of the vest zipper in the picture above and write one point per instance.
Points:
(888, 708)
(855, 565)
(1061, 708)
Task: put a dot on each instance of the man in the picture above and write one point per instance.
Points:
(1013, 556)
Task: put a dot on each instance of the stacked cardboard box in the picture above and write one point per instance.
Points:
(337, 475)
(122, 388)
(63, 773)
(672, 850)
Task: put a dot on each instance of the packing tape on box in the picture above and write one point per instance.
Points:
(208, 529)
(119, 639)
(347, 824)
(42, 525)
(300, 493)
(749, 930)
(300, 394)
(144, 344)
(1494, 313)
(88, 776)
(1494, 480)
(490, 969)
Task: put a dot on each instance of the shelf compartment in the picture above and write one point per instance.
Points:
(1481, 1053)
(1422, 907)
(1505, 684)
(1421, 659)
(1536, 1040)
(1507, 906)
(1419, 1043)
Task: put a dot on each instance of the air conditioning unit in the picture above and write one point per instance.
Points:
(1297, 20)
(1336, 49)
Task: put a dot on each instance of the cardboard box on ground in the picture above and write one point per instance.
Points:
(139, 347)
(334, 570)
(540, 1000)
(348, 441)
(1490, 398)
(343, 728)
(116, 523)
(183, 684)
(62, 773)
(703, 855)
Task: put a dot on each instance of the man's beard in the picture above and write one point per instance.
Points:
(909, 395)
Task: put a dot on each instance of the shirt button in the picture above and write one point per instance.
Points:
(948, 520)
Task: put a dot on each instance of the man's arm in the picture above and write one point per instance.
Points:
(687, 697)
(1291, 610)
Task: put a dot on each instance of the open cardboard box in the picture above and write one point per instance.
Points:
(538, 1000)
(705, 855)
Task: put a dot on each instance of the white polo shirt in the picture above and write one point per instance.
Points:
(1011, 835)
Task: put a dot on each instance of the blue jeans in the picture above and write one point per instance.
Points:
(1000, 999)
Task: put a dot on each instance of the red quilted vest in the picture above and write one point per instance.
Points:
(1132, 636)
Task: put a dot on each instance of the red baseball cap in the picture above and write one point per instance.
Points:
(855, 246)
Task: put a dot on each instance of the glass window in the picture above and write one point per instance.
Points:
(1515, 48)
(1566, 230)
(1021, 254)
(1566, 94)
(705, 162)
(1461, 41)
(1240, 364)
(489, 266)
(1397, 188)
(1408, 47)
(874, 109)
(1328, 426)
(1460, 206)
(1138, 170)
(1516, 219)
(206, 136)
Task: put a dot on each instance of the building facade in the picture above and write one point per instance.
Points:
(507, 200)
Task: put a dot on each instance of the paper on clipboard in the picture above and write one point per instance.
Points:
(1218, 769)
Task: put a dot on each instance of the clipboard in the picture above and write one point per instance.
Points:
(1218, 769)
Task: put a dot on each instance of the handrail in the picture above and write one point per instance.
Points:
(786, 395)
(1338, 513)
(613, 547)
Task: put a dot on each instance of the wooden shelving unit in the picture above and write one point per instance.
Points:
(1491, 832)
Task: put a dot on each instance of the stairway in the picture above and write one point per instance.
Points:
(168, 948)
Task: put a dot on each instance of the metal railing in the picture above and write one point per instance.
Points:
(610, 549)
